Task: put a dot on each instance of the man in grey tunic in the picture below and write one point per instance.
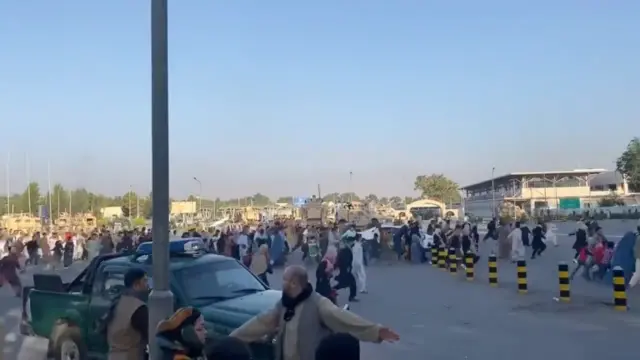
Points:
(303, 317)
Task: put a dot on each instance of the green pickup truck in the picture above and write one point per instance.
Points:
(68, 314)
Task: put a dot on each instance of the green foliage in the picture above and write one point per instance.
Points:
(139, 221)
(628, 164)
(132, 205)
(371, 198)
(344, 197)
(30, 198)
(610, 200)
(437, 187)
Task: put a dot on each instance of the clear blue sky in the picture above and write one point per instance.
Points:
(277, 96)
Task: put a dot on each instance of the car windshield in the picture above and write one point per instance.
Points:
(217, 281)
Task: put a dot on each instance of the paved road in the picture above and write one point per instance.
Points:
(440, 316)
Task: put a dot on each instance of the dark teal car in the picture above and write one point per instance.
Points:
(67, 314)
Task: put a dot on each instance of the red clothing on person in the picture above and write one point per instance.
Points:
(598, 253)
(584, 255)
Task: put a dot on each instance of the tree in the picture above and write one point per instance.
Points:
(259, 199)
(59, 200)
(80, 201)
(384, 200)
(611, 200)
(284, 199)
(371, 198)
(628, 164)
(437, 187)
(147, 209)
(30, 198)
(335, 197)
(347, 197)
(129, 204)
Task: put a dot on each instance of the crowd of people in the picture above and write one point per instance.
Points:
(19, 250)
(593, 255)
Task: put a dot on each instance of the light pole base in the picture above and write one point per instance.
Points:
(160, 308)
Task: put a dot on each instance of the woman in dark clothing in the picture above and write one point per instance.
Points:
(537, 244)
(324, 272)
(9, 267)
(416, 251)
(437, 237)
(466, 243)
(398, 245)
(581, 239)
(58, 248)
(455, 240)
(525, 234)
(345, 278)
(475, 236)
(68, 251)
(221, 243)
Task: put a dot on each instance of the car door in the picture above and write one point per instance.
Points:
(108, 284)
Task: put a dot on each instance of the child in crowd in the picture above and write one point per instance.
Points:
(602, 255)
(585, 260)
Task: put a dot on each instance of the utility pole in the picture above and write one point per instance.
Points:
(28, 171)
(50, 203)
(8, 171)
(350, 186)
(160, 298)
(129, 199)
(493, 191)
(199, 194)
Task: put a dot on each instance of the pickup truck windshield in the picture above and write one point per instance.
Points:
(217, 281)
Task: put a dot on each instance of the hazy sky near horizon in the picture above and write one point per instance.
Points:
(279, 96)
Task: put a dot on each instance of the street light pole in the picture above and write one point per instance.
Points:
(160, 298)
(493, 191)
(350, 186)
(199, 194)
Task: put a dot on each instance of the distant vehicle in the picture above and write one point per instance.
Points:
(224, 290)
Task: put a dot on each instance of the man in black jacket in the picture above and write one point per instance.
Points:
(491, 230)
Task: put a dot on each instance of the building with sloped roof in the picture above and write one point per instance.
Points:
(533, 190)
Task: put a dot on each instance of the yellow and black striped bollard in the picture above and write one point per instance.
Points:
(434, 256)
(619, 289)
(563, 281)
(442, 258)
(453, 261)
(493, 270)
(468, 262)
(522, 276)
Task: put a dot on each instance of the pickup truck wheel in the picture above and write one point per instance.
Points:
(69, 345)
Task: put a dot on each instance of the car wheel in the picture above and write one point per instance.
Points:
(69, 345)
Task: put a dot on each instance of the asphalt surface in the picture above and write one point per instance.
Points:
(442, 316)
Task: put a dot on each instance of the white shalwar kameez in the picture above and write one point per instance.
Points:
(357, 266)
(550, 235)
(517, 246)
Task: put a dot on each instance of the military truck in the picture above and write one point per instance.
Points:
(313, 212)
